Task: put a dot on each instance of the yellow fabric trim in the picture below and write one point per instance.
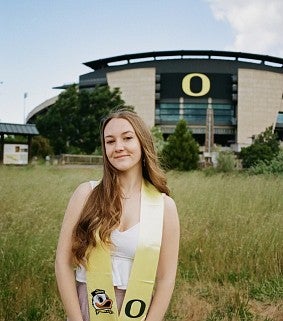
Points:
(141, 282)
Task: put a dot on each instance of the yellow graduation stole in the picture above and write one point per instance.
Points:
(101, 295)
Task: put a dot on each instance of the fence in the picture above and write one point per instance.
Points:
(70, 159)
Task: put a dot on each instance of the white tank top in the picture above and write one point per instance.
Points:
(122, 256)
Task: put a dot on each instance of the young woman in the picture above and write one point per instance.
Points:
(121, 234)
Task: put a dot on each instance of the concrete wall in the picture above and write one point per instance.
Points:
(138, 90)
(259, 100)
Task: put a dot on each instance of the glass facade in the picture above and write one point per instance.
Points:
(193, 113)
(279, 119)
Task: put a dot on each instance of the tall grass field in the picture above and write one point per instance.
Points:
(231, 250)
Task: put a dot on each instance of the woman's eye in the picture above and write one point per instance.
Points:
(128, 138)
(109, 142)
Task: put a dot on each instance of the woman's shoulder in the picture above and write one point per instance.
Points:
(76, 202)
(169, 202)
(170, 208)
(82, 191)
(171, 218)
(83, 188)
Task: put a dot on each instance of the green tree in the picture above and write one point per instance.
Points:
(15, 139)
(59, 122)
(270, 138)
(264, 148)
(158, 139)
(181, 150)
(40, 147)
(73, 123)
(93, 106)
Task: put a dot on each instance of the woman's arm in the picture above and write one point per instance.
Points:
(167, 265)
(63, 264)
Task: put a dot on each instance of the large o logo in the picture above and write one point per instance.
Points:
(205, 85)
(139, 308)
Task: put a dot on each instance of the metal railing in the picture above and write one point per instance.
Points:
(71, 159)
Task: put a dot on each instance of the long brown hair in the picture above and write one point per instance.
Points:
(103, 208)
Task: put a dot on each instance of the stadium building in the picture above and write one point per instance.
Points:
(231, 96)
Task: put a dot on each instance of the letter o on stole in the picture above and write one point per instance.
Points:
(141, 305)
(186, 85)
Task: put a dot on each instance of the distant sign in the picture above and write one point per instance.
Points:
(15, 154)
(196, 85)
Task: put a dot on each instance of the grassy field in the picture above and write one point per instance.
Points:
(231, 255)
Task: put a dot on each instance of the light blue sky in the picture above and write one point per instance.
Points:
(43, 43)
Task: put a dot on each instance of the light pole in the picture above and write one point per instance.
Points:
(25, 97)
(1, 83)
(209, 124)
(209, 132)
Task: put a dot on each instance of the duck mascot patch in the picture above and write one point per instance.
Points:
(101, 302)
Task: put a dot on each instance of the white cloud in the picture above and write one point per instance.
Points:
(257, 24)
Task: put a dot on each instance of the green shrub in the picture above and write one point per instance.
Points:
(181, 150)
(226, 161)
(275, 166)
(40, 147)
(264, 148)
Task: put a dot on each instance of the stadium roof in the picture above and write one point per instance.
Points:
(184, 54)
(47, 103)
(18, 129)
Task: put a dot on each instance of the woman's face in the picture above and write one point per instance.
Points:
(122, 145)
